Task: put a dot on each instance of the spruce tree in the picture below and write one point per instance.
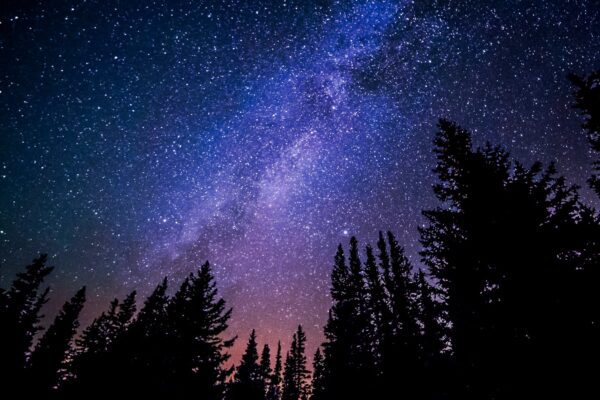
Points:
(274, 390)
(318, 377)
(433, 376)
(401, 348)
(249, 379)
(19, 318)
(197, 351)
(265, 367)
(587, 101)
(348, 348)
(126, 312)
(138, 355)
(295, 374)
(96, 360)
(48, 358)
(432, 328)
(507, 249)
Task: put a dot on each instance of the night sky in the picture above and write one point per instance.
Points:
(140, 138)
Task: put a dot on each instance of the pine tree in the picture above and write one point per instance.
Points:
(197, 350)
(432, 360)
(126, 312)
(19, 319)
(96, 360)
(249, 379)
(265, 367)
(48, 358)
(446, 252)
(506, 250)
(432, 331)
(401, 347)
(318, 378)
(274, 390)
(152, 318)
(350, 364)
(138, 356)
(295, 374)
(587, 100)
(87, 368)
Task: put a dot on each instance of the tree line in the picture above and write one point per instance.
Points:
(505, 305)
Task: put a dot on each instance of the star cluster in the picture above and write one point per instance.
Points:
(140, 138)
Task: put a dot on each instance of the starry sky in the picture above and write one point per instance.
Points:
(140, 138)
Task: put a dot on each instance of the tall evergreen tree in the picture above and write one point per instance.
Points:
(401, 349)
(587, 100)
(197, 351)
(432, 327)
(348, 349)
(126, 313)
(506, 251)
(433, 374)
(89, 368)
(274, 390)
(19, 320)
(318, 377)
(265, 367)
(295, 374)
(138, 355)
(249, 379)
(48, 358)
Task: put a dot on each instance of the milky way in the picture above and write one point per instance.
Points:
(140, 138)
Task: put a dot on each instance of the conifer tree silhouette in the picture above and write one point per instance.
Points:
(403, 345)
(48, 358)
(138, 355)
(318, 383)
(274, 390)
(92, 363)
(505, 249)
(20, 316)
(196, 348)
(295, 375)
(249, 378)
(587, 100)
(432, 358)
(351, 345)
(265, 368)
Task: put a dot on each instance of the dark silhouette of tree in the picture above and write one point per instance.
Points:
(432, 327)
(126, 312)
(196, 348)
(585, 300)
(505, 249)
(295, 376)
(348, 348)
(138, 356)
(432, 357)
(249, 378)
(48, 358)
(274, 390)
(20, 316)
(587, 100)
(318, 377)
(265, 367)
(403, 344)
(92, 365)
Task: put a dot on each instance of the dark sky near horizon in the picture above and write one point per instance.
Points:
(140, 138)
